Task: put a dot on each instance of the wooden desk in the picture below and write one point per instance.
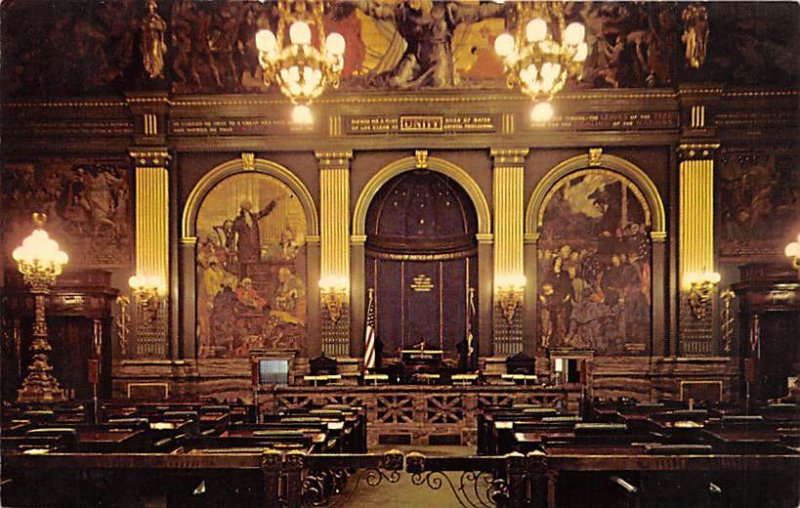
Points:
(96, 440)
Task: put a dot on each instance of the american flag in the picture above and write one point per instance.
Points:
(470, 335)
(369, 335)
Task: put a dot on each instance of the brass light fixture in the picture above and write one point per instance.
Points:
(793, 253)
(308, 61)
(509, 290)
(542, 54)
(148, 291)
(40, 261)
(701, 289)
(334, 292)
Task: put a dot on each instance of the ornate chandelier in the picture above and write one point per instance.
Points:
(303, 65)
(543, 53)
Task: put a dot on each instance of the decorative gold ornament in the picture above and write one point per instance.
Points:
(509, 290)
(726, 317)
(701, 290)
(148, 291)
(334, 292)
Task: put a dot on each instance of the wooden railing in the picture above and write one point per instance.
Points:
(296, 479)
(412, 414)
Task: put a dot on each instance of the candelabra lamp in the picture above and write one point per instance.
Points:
(701, 290)
(509, 290)
(40, 261)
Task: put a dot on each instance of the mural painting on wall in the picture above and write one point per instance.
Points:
(88, 205)
(761, 205)
(193, 46)
(251, 289)
(594, 265)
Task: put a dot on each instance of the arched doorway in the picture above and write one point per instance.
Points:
(421, 262)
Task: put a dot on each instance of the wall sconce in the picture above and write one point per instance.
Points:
(333, 291)
(793, 252)
(148, 290)
(509, 290)
(701, 288)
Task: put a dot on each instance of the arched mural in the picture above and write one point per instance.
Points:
(251, 268)
(594, 265)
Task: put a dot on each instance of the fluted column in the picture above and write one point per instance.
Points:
(151, 310)
(696, 246)
(334, 168)
(509, 274)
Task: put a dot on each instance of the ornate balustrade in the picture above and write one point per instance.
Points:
(419, 415)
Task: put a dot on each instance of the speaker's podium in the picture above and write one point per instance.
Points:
(421, 359)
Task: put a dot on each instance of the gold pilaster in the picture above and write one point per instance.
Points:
(335, 251)
(696, 241)
(509, 274)
(152, 250)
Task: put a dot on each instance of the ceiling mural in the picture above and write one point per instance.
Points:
(189, 46)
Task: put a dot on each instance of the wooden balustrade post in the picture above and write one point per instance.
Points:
(293, 464)
(271, 470)
(537, 478)
(516, 467)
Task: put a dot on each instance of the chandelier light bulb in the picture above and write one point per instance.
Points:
(335, 44)
(574, 34)
(542, 112)
(536, 30)
(301, 114)
(300, 33)
(582, 52)
(504, 45)
(265, 41)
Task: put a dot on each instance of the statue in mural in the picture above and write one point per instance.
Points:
(427, 28)
(247, 235)
(695, 34)
(152, 43)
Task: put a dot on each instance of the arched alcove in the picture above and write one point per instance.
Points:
(421, 262)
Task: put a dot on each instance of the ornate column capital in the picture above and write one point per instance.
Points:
(334, 159)
(509, 156)
(697, 151)
(155, 157)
